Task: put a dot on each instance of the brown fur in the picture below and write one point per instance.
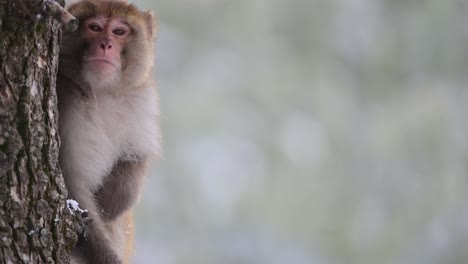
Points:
(129, 237)
(110, 199)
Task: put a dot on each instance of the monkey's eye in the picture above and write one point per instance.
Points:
(119, 32)
(95, 28)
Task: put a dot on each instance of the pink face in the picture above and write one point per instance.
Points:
(106, 38)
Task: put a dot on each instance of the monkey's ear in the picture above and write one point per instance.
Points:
(151, 23)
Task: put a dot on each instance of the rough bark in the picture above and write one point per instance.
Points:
(35, 224)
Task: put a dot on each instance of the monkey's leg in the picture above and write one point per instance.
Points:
(121, 188)
(95, 245)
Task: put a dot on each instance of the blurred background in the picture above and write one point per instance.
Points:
(309, 132)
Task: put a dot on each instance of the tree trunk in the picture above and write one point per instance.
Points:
(35, 224)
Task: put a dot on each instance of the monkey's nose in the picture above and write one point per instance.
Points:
(106, 44)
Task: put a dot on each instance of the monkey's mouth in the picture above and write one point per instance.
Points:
(101, 61)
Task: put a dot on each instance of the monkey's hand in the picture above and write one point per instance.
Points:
(120, 188)
(94, 245)
(69, 22)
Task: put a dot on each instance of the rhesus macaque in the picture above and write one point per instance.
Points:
(108, 119)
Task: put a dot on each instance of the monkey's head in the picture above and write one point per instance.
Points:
(113, 45)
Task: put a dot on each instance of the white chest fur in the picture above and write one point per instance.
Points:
(95, 135)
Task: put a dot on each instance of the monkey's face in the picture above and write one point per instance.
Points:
(104, 39)
(114, 46)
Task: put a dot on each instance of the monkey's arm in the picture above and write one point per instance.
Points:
(121, 188)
